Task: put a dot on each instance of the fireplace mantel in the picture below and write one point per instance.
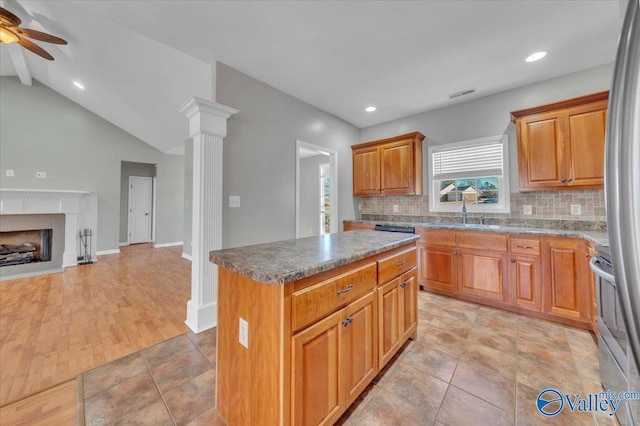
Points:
(80, 209)
(40, 201)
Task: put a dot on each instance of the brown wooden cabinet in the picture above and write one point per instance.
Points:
(525, 273)
(391, 166)
(350, 226)
(565, 288)
(438, 261)
(482, 274)
(561, 145)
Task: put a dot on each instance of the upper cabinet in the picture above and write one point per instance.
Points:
(391, 166)
(561, 145)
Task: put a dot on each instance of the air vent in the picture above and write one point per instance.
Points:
(462, 93)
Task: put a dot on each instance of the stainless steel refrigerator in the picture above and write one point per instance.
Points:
(622, 191)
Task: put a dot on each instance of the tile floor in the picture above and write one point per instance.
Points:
(471, 364)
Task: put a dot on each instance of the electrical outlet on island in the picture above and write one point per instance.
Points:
(576, 209)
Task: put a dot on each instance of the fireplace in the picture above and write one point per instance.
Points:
(25, 246)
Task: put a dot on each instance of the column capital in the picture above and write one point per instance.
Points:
(206, 116)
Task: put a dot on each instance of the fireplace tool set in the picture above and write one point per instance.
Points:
(85, 246)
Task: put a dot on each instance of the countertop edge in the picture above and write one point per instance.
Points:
(287, 277)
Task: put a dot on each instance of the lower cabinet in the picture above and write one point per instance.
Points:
(334, 360)
(566, 289)
(438, 268)
(398, 313)
(482, 274)
(525, 273)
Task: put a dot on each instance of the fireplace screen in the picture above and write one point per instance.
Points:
(19, 247)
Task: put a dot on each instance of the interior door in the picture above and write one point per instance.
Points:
(140, 209)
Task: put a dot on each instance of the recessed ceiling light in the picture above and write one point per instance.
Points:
(370, 109)
(78, 85)
(536, 56)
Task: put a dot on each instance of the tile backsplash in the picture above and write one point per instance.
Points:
(548, 205)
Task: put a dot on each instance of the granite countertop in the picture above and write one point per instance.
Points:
(286, 261)
(597, 237)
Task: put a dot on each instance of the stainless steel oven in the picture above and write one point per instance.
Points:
(612, 333)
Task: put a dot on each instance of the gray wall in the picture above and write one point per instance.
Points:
(42, 130)
(489, 116)
(310, 194)
(259, 157)
(128, 169)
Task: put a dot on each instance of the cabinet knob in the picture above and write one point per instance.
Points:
(401, 263)
(569, 180)
(513, 261)
(404, 284)
(563, 180)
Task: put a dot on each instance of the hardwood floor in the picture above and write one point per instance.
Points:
(53, 327)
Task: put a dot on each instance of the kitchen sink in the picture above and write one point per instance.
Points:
(471, 226)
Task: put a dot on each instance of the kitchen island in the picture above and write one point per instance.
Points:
(305, 325)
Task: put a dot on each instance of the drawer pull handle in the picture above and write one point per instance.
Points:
(525, 247)
(404, 284)
(401, 263)
(346, 322)
(346, 290)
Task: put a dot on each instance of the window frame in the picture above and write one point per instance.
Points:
(504, 193)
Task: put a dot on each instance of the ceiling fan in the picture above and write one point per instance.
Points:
(10, 32)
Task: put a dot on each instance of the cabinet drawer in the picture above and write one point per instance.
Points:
(529, 246)
(482, 241)
(316, 301)
(395, 265)
(437, 237)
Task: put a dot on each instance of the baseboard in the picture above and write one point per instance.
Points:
(187, 256)
(177, 243)
(30, 274)
(103, 252)
(123, 244)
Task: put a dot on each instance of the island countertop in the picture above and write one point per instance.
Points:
(291, 260)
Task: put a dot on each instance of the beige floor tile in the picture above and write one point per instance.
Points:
(485, 384)
(462, 408)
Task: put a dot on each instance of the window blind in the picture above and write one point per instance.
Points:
(468, 162)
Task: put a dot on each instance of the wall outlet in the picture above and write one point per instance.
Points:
(10, 173)
(527, 209)
(234, 201)
(360, 206)
(243, 334)
(41, 175)
(395, 208)
(576, 209)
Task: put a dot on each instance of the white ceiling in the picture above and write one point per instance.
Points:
(141, 59)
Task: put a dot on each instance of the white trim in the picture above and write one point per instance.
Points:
(187, 256)
(505, 194)
(333, 164)
(160, 245)
(103, 252)
(123, 244)
(31, 274)
(154, 197)
(201, 317)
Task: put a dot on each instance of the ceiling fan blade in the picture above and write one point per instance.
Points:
(39, 35)
(11, 19)
(35, 48)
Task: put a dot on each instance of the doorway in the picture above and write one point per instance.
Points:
(316, 190)
(137, 203)
(140, 196)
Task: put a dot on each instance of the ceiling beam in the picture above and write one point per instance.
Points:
(20, 63)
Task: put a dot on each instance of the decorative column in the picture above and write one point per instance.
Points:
(207, 127)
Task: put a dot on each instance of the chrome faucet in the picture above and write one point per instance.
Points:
(464, 210)
(481, 220)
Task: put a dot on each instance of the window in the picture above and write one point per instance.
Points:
(475, 171)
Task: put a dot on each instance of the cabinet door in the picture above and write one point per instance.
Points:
(349, 226)
(318, 381)
(482, 274)
(565, 289)
(541, 151)
(525, 281)
(438, 268)
(366, 171)
(408, 301)
(360, 345)
(585, 149)
(397, 168)
(389, 327)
